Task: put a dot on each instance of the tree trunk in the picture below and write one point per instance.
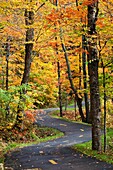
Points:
(104, 86)
(80, 68)
(93, 75)
(7, 71)
(29, 20)
(75, 107)
(59, 86)
(7, 62)
(78, 98)
(85, 78)
(3, 78)
(58, 66)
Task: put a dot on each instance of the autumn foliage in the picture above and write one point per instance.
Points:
(50, 26)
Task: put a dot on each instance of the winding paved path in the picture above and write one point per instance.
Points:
(38, 156)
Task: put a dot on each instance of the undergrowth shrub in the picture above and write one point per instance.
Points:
(9, 102)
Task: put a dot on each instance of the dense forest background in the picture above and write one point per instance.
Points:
(53, 53)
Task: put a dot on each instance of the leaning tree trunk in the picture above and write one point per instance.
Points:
(77, 98)
(93, 75)
(29, 20)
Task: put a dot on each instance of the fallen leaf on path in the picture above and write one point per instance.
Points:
(82, 130)
(66, 141)
(53, 162)
(41, 152)
(63, 125)
(7, 168)
(80, 136)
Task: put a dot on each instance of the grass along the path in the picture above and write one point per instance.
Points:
(86, 148)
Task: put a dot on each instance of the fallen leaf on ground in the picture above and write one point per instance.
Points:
(53, 162)
(41, 152)
(63, 125)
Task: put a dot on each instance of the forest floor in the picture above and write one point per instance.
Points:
(56, 154)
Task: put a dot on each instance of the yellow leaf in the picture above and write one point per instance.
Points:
(63, 125)
(41, 152)
(53, 162)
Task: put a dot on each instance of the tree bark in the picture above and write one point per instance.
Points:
(80, 68)
(7, 71)
(58, 66)
(93, 75)
(104, 86)
(59, 86)
(7, 63)
(85, 78)
(29, 20)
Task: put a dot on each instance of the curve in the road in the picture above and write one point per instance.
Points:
(56, 154)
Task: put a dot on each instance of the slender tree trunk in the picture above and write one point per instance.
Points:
(7, 62)
(78, 99)
(58, 66)
(85, 78)
(59, 86)
(3, 78)
(7, 71)
(75, 107)
(93, 75)
(29, 20)
(104, 86)
(80, 68)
